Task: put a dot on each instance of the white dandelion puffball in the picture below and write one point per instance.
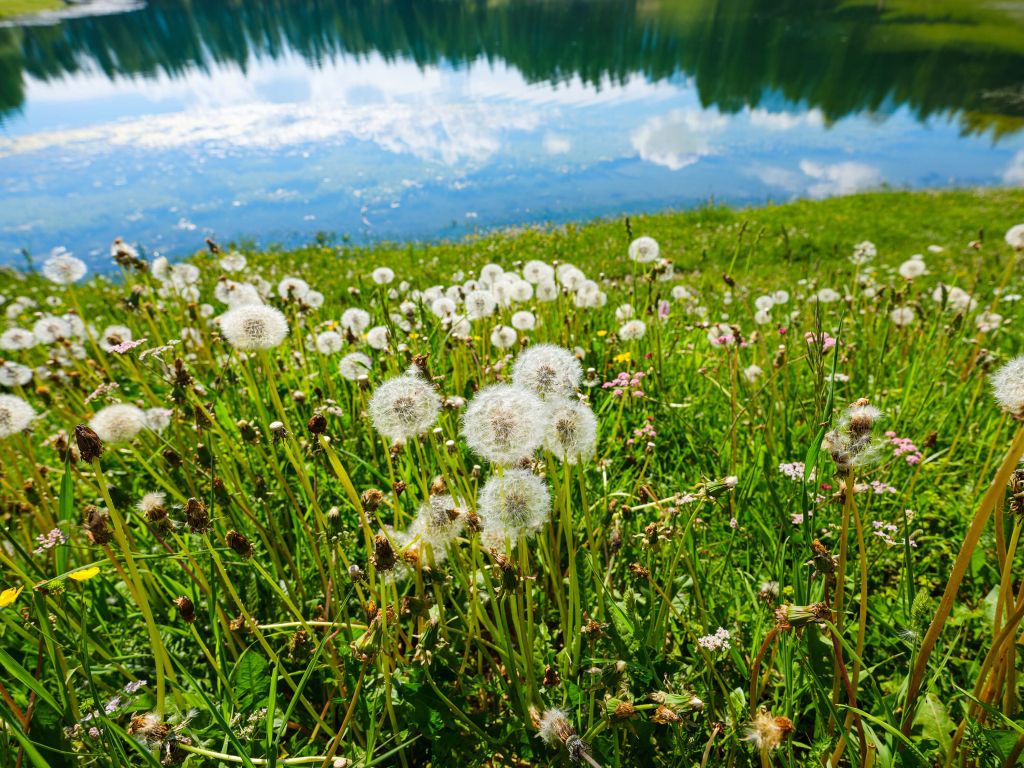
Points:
(1008, 386)
(762, 317)
(912, 267)
(644, 249)
(15, 415)
(548, 369)
(440, 521)
(571, 430)
(47, 330)
(443, 307)
(404, 407)
(957, 299)
(623, 312)
(902, 316)
(63, 269)
(254, 326)
(383, 275)
(524, 321)
(158, 419)
(827, 296)
(233, 262)
(503, 336)
(764, 303)
(118, 423)
(537, 272)
(504, 423)
(113, 335)
(292, 288)
(354, 365)
(480, 304)
(236, 294)
(514, 503)
(634, 329)
(14, 339)
(1015, 237)
(752, 373)
(780, 297)
(313, 299)
(329, 343)
(490, 273)
(378, 337)
(355, 320)
(546, 290)
(14, 374)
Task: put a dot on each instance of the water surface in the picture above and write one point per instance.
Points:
(272, 121)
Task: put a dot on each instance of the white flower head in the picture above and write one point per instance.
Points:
(902, 316)
(62, 268)
(355, 320)
(383, 275)
(632, 329)
(439, 522)
(49, 329)
(14, 374)
(254, 326)
(524, 320)
(1015, 237)
(513, 503)
(571, 430)
(354, 365)
(537, 272)
(378, 337)
(14, 339)
(913, 267)
(1008, 386)
(118, 423)
(503, 336)
(292, 288)
(113, 335)
(329, 342)
(158, 419)
(480, 304)
(547, 369)
(644, 250)
(404, 407)
(15, 415)
(233, 262)
(504, 423)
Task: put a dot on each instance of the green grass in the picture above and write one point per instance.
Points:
(10, 8)
(285, 611)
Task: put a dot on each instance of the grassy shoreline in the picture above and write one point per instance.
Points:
(339, 514)
(10, 9)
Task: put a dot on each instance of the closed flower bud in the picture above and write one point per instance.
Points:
(89, 445)
(95, 524)
(383, 553)
(317, 425)
(196, 516)
(372, 498)
(239, 544)
(186, 609)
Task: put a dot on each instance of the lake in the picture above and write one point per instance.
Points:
(269, 121)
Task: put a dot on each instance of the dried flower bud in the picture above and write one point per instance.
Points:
(89, 445)
(95, 524)
(239, 543)
(384, 558)
(372, 498)
(186, 609)
(196, 516)
(317, 425)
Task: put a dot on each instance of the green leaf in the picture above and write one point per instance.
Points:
(935, 722)
(65, 509)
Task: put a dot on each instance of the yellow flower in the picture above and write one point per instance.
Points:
(85, 574)
(414, 335)
(602, 332)
(9, 595)
(625, 357)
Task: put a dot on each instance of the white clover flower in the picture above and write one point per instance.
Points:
(1008, 386)
(440, 522)
(62, 268)
(634, 329)
(378, 337)
(537, 272)
(355, 320)
(504, 423)
(49, 329)
(443, 307)
(158, 419)
(354, 365)
(404, 407)
(623, 312)
(15, 415)
(524, 321)
(118, 423)
(480, 304)
(514, 503)
(113, 335)
(912, 267)
(644, 249)
(233, 262)
(1015, 237)
(548, 369)
(902, 316)
(383, 275)
(571, 430)
(752, 373)
(546, 290)
(292, 288)
(503, 336)
(254, 326)
(329, 342)
(14, 374)
(14, 339)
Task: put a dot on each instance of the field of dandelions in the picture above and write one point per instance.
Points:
(715, 491)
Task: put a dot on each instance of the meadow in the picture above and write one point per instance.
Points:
(716, 488)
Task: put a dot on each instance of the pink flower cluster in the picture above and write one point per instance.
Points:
(879, 487)
(49, 540)
(826, 342)
(885, 531)
(904, 446)
(645, 433)
(794, 470)
(626, 382)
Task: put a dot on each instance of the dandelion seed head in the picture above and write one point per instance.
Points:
(354, 365)
(554, 726)
(62, 268)
(355, 320)
(233, 262)
(14, 339)
(633, 329)
(254, 326)
(383, 275)
(292, 288)
(571, 430)
(1008, 386)
(118, 423)
(49, 329)
(1015, 237)
(524, 321)
(440, 521)
(513, 503)
(378, 337)
(15, 415)
(547, 369)
(480, 304)
(14, 374)
(537, 272)
(644, 249)
(504, 423)
(152, 502)
(503, 336)
(113, 336)
(329, 342)
(902, 316)
(767, 732)
(404, 407)
(912, 268)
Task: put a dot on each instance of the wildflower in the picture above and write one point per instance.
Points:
(62, 268)
(152, 506)
(537, 272)
(902, 316)
(571, 430)
(355, 320)
(118, 423)
(863, 253)
(329, 342)
(955, 298)
(827, 296)
(851, 443)
(196, 516)
(513, 503)
(912, 267)
(644, 250)
(554, 728)
(440, 522)
(1015, 237)
(767, 732)
(49, 540)
(403, 407)
(504, 423)
(1007, 387)
(480, 304)
(292, 288)
(49, 329)
(503, 336)
(718, 641)
(254, 326)
(632, 329)
(825, 341)
(524, 321)
(158, 419)
(988, 321)
(14, 374)
(383, 275)
(14, 339)
(354, 365)
(233, 262)
(752, 373)
(378, 337)
(149, 729)
(9, 595)
(546, 290)
(113, 336)
(547, 369)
